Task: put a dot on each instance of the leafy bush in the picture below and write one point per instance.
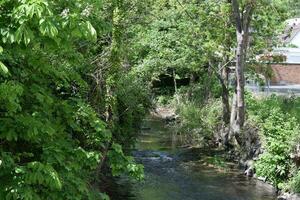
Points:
(133, 102)
(52, 140)
(277, 130)
(294, 183)
(164, 100)
(199, 121)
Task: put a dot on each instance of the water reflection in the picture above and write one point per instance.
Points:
(173, 174)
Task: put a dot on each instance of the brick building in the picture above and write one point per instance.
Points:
(285, 74)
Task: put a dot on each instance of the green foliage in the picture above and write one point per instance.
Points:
(133, 103)
(120, 163)
(174, 40)
(294, 183)
(278, 129)
(217, 161)
(199, 121)
(53, 141)
(75, 77)
(164, 100)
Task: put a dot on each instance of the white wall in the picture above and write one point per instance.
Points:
(296, 40)
(292, 54)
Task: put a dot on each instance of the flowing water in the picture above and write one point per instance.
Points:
(174, 173)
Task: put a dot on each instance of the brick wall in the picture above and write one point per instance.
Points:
(284, 74)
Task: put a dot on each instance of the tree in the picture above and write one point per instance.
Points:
(243, 16)
(252, 17)
(52, 139)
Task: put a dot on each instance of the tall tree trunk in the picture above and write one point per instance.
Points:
(240, 82)
(233, 117)
(242, 20)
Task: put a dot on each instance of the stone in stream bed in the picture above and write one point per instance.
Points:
(249, 172)
(249, 168)
(166, 158)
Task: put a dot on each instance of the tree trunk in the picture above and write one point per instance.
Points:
(225, 96)
(233, 117)
(174, 80)
(175, 86)
(240, 81)
(225, 105)
(242, 19)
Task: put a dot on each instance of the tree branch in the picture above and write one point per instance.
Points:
(236, 13)
(247, 15)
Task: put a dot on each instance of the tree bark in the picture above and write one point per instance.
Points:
(225, 94)
(240, 81)
(225, 104)
(242, 21)
(233, 115)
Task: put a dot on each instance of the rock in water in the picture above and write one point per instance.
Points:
(249, 172)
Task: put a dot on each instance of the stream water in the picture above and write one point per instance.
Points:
(174, 173)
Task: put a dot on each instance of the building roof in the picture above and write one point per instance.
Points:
(291, 34)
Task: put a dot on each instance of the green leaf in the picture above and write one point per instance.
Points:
(48, 28)
(92, 31)
(3, 68)
(19, 33)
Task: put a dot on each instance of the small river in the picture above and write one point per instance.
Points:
(174, 173)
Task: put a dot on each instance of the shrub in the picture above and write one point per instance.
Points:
(199, 122)
(277, 131)
(132, 105)
(164, 100)
(294, 183)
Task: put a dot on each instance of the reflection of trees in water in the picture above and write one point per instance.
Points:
(173, 173)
